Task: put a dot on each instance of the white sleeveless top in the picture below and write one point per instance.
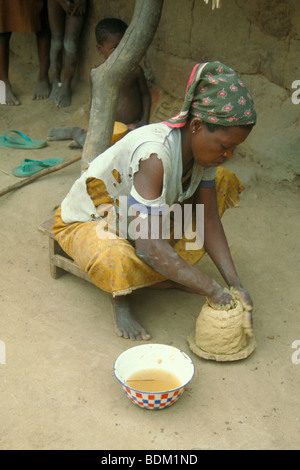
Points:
(124, 156)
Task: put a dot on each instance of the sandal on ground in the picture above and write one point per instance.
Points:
(21, 142)
(30, 167)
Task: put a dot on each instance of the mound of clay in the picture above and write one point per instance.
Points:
(223, 335)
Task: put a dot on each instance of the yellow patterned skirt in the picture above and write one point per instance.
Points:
(112, 263)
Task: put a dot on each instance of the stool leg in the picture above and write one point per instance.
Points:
(54, 248)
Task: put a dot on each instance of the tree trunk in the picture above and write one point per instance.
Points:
(108, 77)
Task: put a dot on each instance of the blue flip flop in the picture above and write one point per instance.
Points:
(21, 142)
(30, 167)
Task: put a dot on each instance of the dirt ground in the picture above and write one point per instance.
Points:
(57, 385)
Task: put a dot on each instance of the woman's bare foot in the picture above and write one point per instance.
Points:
(11, 99)
(61, 133)
(125, 323)
(42, 90)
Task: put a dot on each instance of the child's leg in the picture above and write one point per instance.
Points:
(43, 38)
(4, 66)
(76, 134)
(79, 137)
(56, 16)
(71, 39)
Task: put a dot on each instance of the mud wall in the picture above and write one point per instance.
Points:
(258, 38)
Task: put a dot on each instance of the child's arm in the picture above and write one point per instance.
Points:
(66, 5)
(79, 7)
(145, 96)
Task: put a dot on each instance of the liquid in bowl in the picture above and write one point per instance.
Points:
(153, 380)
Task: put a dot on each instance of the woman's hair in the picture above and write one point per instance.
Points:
(107, 27)
(214, 127)
(211, 127)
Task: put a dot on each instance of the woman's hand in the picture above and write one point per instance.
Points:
(221, 299)
(244, 297)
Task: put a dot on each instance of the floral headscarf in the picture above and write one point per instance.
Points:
(217, 95)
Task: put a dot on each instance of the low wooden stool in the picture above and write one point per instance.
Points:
(59, 261)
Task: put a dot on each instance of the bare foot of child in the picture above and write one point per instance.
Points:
(76, 134)
(62, 133)
(63, 96)
(11, 99)
(125, 324)
(42, 90)
(54, 91)
(74, 145)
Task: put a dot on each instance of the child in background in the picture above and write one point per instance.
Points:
(134, 101)
(66, 19)
(133, 108)
(25, 16)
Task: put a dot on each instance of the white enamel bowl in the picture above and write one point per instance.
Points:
(154, 356)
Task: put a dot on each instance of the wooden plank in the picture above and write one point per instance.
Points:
(55, 271)
(46, 227)
(59, 261)
(71, 267)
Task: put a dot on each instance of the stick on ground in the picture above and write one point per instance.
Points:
(39, 174)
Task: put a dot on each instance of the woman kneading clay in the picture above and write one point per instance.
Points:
(156, 166)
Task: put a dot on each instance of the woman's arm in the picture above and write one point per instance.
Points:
(216, 244)
(159, 254)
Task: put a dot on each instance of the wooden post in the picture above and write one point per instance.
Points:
(109, 76)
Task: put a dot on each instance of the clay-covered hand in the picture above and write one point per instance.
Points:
(243, 296)
(222, 299)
